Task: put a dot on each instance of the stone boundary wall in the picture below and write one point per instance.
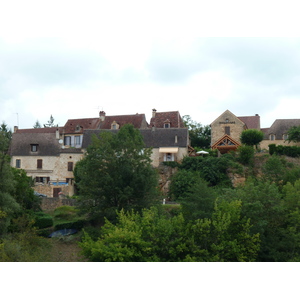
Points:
(53, 203)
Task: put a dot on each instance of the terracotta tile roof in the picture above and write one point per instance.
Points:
(137, 120)
(172, 117)
(79, 125)
(252, 122)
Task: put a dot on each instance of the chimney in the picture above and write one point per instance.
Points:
(15, 129)
(57, 134)
(153, 112)
(102, 115)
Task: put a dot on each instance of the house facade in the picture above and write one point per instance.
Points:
(278, 133)
(49, 155)
(227, 129)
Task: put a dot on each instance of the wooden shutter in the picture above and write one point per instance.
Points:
(227, 130)
(70, 166)
(39, 163)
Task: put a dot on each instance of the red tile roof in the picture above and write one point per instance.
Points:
(137, 120)
(172, 117)
(78, 125)
(252, 122)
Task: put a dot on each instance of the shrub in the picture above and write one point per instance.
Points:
(246, 155)
(42, 220)
(65, 212)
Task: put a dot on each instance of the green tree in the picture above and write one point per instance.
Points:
(153, 236)
(245, 155)
(5, 138)
(252, 137)
(50, 123)
(116, 173)
(294, 134)
(23, 192)
(200, 135)
(37, 124)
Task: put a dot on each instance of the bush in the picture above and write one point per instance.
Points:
(65, 212)
(42, 220)
(245, 155)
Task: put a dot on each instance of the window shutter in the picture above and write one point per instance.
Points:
(39, 163)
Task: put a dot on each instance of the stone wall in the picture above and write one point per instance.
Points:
(53, 203)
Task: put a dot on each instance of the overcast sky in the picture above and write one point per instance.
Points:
(72, 59)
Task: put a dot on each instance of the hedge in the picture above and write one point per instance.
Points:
(42, 220)
(292, 151)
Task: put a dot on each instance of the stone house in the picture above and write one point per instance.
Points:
(227, 128)
(41, 153)
(278, 133)
(167, 144)
(49, 155)
(169, 119)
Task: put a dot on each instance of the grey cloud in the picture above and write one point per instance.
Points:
(42, 63)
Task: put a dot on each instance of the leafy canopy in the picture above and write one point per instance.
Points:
(200, 135)
(116, 173)
(252, 137)
(294, 134)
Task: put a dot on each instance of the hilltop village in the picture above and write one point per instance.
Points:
(50, 154)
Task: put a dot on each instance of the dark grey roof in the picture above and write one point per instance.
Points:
(21, 143)
(280, 127)
(153, 138)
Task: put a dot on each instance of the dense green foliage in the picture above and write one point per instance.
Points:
(153, 236)
(292, 151)
(251, 137)
(200, 135)
(294, 134)
(116, 174)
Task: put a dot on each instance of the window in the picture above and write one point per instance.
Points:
(67, 141)
(39, 163)
(70, 166)
(18, 163)
(42, 179)
(227, 130)
(285, 137)
(272, 137)
(77, 140)
(169, 157)
(34, 147)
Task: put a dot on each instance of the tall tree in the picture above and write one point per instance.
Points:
(37, 124)
(116, 173)
(5, 138)
(294, 134)
(200, 135)
(50, 123)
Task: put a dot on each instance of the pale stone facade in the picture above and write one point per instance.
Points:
(226, 124)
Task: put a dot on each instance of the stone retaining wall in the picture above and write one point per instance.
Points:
(53, 203)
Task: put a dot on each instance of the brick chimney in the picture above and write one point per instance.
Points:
(16, 128)
(102, 115)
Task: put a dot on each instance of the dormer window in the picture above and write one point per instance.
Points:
(272, 137)
(285, 136)
(167, 124)
(78, 128)
(115, 125)
(34, 147)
